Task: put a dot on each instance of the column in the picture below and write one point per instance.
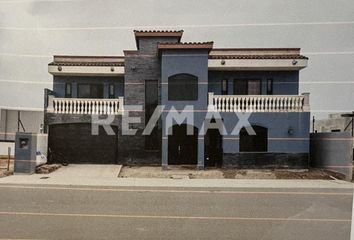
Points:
(200, 165)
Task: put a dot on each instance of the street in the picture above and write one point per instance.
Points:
(73, 212)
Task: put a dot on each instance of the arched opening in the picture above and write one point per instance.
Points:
(183, 87)
(254, 143)
(182, 147)
(213, 148)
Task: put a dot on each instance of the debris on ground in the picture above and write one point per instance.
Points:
(311, 174)
(3, 167)
(47, 168)
(185, 172)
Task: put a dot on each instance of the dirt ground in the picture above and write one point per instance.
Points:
(3, 167)
(185, 172)
(190, 172)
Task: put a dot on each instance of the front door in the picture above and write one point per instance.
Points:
(182, 148)
(213, 148)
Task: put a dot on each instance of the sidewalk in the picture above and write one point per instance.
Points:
(103, 175)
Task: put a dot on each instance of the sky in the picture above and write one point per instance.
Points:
(32, 31)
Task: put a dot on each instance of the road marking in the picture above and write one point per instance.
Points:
(172, 217)
(179, 191)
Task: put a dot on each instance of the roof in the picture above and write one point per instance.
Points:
(157, 33)
(65, 60)
(256, 53)
(98, 64)
(257, 57)
(186, 45)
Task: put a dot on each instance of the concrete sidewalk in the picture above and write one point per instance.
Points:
(107, 175)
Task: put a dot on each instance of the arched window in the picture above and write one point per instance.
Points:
(183, 87)
(254, 143)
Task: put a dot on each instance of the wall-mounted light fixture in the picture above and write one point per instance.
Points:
(223, 62)
(294, 62)
(112, 69)
(60, 68)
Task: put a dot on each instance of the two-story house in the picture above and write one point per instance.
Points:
(257, 86)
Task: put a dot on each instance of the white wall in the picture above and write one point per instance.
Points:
(31, 121)
(4, 148)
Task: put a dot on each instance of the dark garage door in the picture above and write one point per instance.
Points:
(78, 145)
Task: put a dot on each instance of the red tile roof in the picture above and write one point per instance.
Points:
(98, 64)
(186, 45)
(66, 60)
(257, 57)
(158, 33)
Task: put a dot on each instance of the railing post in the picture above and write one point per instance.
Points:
(306, 106)
(211, 106)
(121, 104)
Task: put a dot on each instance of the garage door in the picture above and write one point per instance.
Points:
(78, 145)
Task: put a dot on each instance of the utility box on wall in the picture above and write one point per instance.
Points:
(30, 151)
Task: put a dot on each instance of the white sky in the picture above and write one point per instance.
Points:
(32, 31)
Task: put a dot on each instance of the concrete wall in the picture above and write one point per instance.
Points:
(31, 120)
(335, 122)
(333, 151)
(4, 149)
(284, 82)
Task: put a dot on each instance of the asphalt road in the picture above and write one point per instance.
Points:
(59, 212)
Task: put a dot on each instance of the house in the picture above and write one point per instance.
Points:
(221, 86)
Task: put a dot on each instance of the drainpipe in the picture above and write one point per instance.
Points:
(313, 124)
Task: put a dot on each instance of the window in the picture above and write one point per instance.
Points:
(182, 87)
(254, 143)
(269, 86)
(111, 91)
(247, 87)
(240, 87)
(224, 86)
(90, 91)
(254, 87)
(68, 90)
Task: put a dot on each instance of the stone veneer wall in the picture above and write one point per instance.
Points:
(141, 66)
(266, 160)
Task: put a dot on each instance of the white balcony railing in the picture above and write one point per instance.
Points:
(86, 106)
(259, 103)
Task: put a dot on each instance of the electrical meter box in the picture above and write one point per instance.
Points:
(30, 152)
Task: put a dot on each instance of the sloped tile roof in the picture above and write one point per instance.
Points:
(186, 45)
(257, 57)
(98, 64)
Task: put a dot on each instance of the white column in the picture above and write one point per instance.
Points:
(306, 106)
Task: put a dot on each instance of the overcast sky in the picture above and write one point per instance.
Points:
(32, 31)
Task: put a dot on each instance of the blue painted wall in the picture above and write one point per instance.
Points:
(194, 62)
(59, 84)
(278, 124)
(284, 82)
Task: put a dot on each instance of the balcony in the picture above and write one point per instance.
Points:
(259, 103)
(85, 106)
